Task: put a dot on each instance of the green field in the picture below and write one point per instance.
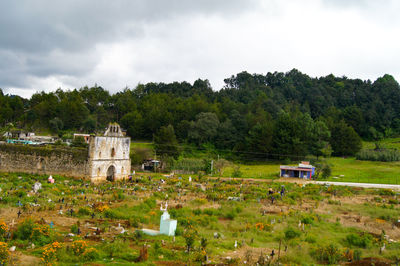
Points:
(343, 170)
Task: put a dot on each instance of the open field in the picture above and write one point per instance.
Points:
(343, 170)
(310, 224)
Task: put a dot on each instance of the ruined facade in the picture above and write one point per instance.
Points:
(106, 158)
(109, 155)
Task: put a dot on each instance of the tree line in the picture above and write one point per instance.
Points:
(257, 116)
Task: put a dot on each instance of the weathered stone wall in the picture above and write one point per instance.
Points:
(104, 152)
(44, 160)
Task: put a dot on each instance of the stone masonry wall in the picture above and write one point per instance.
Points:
(70, 162)
(105, 152)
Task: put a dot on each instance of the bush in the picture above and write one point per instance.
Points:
(24, 229)
(381, 155)
(236, 172)
(79, 247)
(84, 211)
(328, 254)
(230, 215)
(291, 233)
(90, 254)
(356, 240)
(326, 171)
(4, 253)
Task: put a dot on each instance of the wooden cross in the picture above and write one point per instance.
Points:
(12, 223)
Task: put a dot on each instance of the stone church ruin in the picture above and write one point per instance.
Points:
(106, 158)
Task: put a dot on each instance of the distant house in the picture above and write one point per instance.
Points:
(86, 137)
(150, 165)
(304, 170)
(18, 134)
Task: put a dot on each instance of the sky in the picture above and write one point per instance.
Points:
(51, 44)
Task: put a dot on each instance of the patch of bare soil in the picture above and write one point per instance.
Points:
(349, 219)
(371, 261)
(250, 253)
(19, 258)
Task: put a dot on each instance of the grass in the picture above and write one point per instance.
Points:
(352, 170)
(343, 170)
(267, 171)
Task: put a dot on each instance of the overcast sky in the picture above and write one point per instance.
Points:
(50, 44)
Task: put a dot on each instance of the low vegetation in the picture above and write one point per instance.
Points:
(228, 221)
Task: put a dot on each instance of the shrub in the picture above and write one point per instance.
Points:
(356, 240)
(4, 253)
(307, 219)
(84, 211)
(230, 215)
(291, 233)
(74, 228)
(381, 155)
(24, 229)
(328, 254)
(326, 171)
(311, 239)
(90, 254)
(79, 247)
(3, 230)
(236, 172)
(49, 254)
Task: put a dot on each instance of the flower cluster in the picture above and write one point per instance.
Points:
(263, 226)
(102, 208)
(3, 229)
(49, 254)
(90, 254)
(4, 253)
(40, 230)
(79, 247)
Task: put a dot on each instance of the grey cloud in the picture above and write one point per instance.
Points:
(32, 30)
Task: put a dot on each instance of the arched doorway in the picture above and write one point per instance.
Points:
(111, 173)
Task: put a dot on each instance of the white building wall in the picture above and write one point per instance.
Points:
(106, 151)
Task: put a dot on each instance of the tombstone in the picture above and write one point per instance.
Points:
(37, 186)
(167, 225)
(50, 180)
(51, 225)
(190, 179)
(19, 213)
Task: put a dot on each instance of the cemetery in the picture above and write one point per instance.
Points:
(196, 221)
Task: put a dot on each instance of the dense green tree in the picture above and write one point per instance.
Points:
(204, 129)
(344, 140)
(165, 142)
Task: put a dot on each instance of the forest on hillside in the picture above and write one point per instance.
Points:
(260, 115)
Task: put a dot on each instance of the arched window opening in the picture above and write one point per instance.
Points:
(112, 152)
